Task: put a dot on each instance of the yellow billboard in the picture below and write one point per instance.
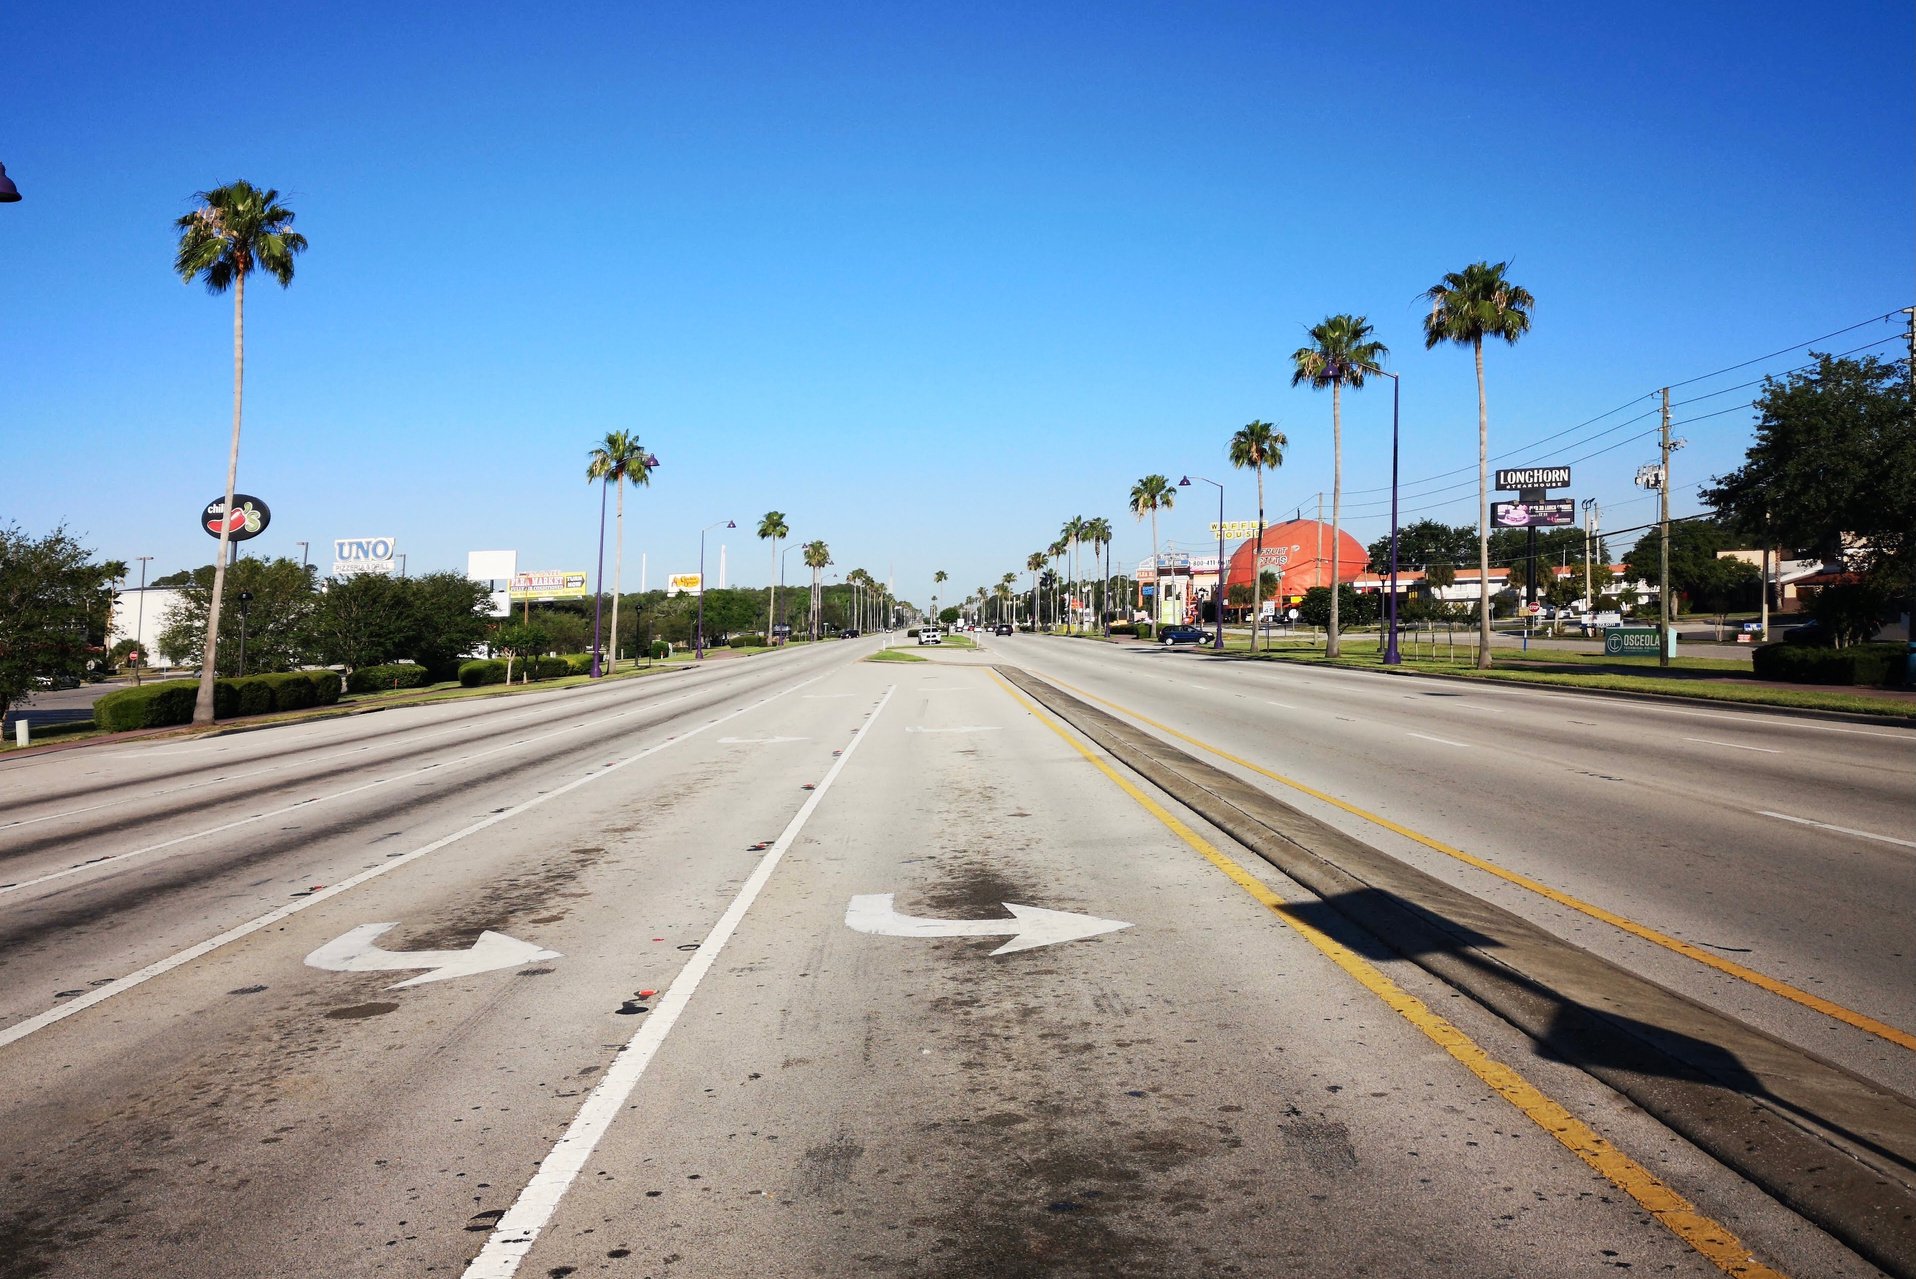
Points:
(549, 585)
(688, 583)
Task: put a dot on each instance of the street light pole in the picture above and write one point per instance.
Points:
(699, 641)
(139, 619)
(302, 554)
(1391, 656)
(598, 582)
(1217, 595)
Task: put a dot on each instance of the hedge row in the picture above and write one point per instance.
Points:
(493, 670)
(1869, 664)
(377, 679)
(171, 701)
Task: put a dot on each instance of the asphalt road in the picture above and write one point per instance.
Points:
(761, 1025)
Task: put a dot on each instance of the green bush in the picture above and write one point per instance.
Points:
(746, 641)
(147, 706)
(1869, 664)
(577, 663)
(1124, 628)
(551, 667)
(291, 691)
(255, 694)
(1143, 630)
(376, 679)
(327, 686)
(484, 671)
(660, 650)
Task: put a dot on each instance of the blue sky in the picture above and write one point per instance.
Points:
(930, 280)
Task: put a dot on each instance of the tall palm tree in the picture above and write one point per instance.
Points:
(937, 580)
(619, 459)
(1069, 537)
(237, 229)
(1341, 354)
(1057, 552)
(1466, 307)
(1150, 495)
(1257, 445)
(1097, 531)
(772, 528)
(817, 557)
(1034, 564)
(1004, 596)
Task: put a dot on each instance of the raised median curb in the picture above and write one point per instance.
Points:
(1833, 1146)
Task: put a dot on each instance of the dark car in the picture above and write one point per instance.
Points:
(848, 634)
(1182, 635)
(1004, 628)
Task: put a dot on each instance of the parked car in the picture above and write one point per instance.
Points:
(1182, 635)
(1810, 632)
(1004, 628)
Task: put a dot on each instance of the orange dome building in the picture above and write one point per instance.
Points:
(1299, 552)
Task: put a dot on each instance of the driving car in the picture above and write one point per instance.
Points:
(929, 635)
(1004, 628)
(1182, 635)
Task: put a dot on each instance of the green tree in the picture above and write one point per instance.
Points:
(772, 529)
(1257, 446)
(278, 618)
(51, 599)
(617, 460)
(519, 640)
(1833, 467)
(1150, 495)
(361, 621)
(1341, 354)
(818, 557)
(1694, 544)
(1097, 531)
(1424, 543)
(1034, 564)
(237, 229)
(1465, 308)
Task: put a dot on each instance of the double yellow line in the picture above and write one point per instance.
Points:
(1837, 1012)
(1708, 1237)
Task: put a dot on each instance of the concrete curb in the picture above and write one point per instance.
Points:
(1834, 1147)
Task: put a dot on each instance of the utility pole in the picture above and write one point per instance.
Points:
(1909, 621)
(1663, 550)
(1589, 552)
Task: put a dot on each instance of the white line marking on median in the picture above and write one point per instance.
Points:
(1735, 746)
(1846, 830)
(21, 1029)
(519, 1229)
(1441, 741)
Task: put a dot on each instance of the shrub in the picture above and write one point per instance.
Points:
(746, 641)
(375, 679)
(1877, 664)
(255, 695)
(147, 706)
(660, 650)
(1124, 628)
(577, 663)
(1143, 630)
(292, 691)
(326, 686)
(484, 671)
(549, 667)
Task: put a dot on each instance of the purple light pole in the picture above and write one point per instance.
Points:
(699, 650)
(1217, 596)
(1391, 656)
(598, 593)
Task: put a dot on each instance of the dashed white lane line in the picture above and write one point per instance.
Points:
(1283, 706)
(519, 1229)
(1441, 741)
(1845, 830)
(21, 1029)
(1735, 746)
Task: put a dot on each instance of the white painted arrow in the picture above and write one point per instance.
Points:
(355, 952)
(1030, 926)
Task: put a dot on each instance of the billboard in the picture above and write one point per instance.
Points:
(1234, 530)
(687, 583)
(363, 555)
(1555, 512)
(1534, 477)
(549, 584)
(249, 518)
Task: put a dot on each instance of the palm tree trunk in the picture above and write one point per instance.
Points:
(1257, 567)
(1157, 576)
(618, 567)
(1483, 515)
(203, 701)
(1337, 500)
(771, 595)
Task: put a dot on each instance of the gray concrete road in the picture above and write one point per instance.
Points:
(758, 1026)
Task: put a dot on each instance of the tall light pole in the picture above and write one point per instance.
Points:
(699, 648)
(1391, 656)
(139, 612)
(1217, 596)
(302, 554)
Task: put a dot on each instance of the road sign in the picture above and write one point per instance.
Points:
(1630, 641)
(355, 952)
(1533, 608)
(1029, 927)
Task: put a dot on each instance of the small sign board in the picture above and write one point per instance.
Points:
(1630, 641)
(548, 584)
(1555, 512)
(249, 518)
(1234, 529)
(1534, 477)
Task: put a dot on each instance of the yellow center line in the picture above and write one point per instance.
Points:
(1849, 1016)
(1717, 1244)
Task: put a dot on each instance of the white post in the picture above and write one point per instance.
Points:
(19, 732)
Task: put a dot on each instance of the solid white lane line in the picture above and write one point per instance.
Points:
(1282, 705)
(21, 1029)
(1846, 830)
(519, 1229)
(97, 862)
(1441, 741)
(1735, 746)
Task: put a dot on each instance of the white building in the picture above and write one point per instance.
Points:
(141, 615)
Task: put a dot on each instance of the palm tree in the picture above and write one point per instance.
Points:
(1004, 595)
(1098, 532)
(1069, 536)
(1056, 551)
(1466, 307)
(237, 229)
(1034, 564)
(937, 580)
(1150, 495)
(773, 527)
(619, 459)
(1341, 355)
(1257, 445)
(817, 557)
